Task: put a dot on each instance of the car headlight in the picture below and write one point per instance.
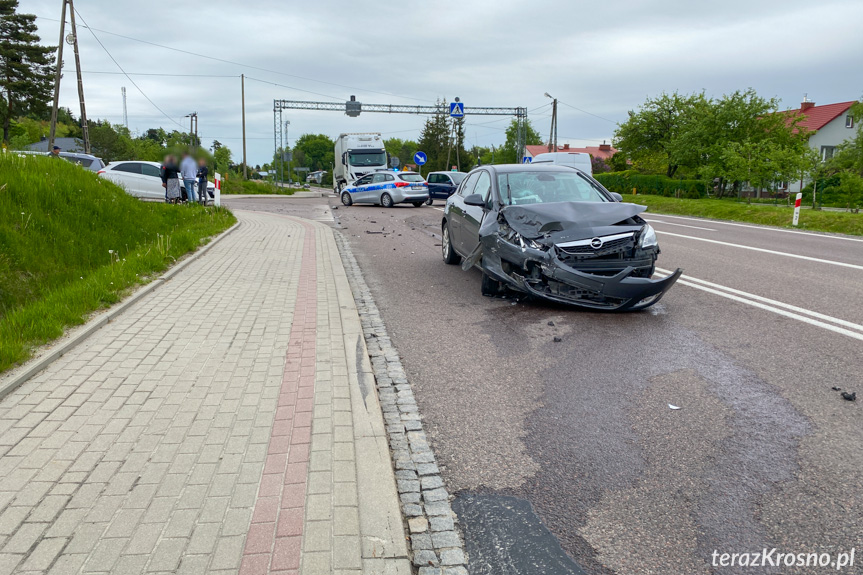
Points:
(648, 237)
(513, 236)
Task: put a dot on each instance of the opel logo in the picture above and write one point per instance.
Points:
(596, 243)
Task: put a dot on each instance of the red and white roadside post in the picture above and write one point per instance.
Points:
(217, 201)
(797, 203)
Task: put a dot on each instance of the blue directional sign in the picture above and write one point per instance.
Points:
(456, 109)
(420, 158)
(527, 160)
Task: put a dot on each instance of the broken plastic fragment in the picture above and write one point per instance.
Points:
(670, 406)
(834, 388)
(557, 339)
(551, 323)
(849, 396)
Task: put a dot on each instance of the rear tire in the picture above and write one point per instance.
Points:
(449, 255)
(417, 204)
(347, 199)
(386, 200)
(490, 287)
(429, 201)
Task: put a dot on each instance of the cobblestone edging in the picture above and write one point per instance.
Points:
(435, 542)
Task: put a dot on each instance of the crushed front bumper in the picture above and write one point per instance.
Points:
(542, 274)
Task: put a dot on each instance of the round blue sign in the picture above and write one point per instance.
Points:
(420, 158)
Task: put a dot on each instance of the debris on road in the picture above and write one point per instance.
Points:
(557, 339)
(551, 323)
(834, 388)
(849, 396)
(674, 407)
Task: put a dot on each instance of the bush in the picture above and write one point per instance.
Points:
(656, 185)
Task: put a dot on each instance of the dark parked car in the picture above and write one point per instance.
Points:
(443, 184)
(555, 233)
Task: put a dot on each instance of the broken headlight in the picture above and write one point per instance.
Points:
(648, 237)
(516, 238)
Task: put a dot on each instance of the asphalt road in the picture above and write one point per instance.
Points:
(762, 453)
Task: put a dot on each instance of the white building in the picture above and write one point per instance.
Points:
(830, 125)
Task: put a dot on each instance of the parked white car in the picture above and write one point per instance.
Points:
(140, 179)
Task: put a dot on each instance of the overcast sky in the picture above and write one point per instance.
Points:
(599, 59)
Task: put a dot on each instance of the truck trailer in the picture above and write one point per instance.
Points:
(357, 155)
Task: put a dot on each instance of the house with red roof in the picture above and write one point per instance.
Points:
(830, 125)
(603, 151)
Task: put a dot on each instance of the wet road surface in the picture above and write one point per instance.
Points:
(762, 453)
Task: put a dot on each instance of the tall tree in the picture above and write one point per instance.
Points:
(26, 67)
(655, 133)
(318, 151)
(434, 138)
(508, 153)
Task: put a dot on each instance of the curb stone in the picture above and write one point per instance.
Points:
(22, 374)
(436, 544)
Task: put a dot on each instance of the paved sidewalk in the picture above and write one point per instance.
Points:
(226, 423)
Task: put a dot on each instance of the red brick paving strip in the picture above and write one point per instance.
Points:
(276, 533)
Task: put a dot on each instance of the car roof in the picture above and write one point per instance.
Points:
(511, 168)
(79, 155)
(447, 172)
(157, 164)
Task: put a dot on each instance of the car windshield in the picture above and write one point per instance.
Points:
(519, 188)
(367, 158)
(411, 177)
(457, 177)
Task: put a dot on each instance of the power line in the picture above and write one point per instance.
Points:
(224, 61)
(124, 72)
(293, 88)
(161, 74)
(586, 112)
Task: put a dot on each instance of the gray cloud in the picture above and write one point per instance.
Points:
(603, 57)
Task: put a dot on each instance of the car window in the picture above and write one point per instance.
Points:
(457, 177)
(86, 162)
(435, 179)
(364, 180)
(483, 185)
(411, 177)
(389, 178)
(129, 167)
(528, 187)
(467, 186)
(378, 178)
(149, 170)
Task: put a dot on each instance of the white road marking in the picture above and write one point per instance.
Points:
(681, 225)
(763, 250)
(438, 209)
(766, 228)
(823, 321)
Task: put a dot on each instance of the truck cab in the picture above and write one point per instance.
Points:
(357, 155)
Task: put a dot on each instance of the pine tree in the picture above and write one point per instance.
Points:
(434, 138)
(26, 67)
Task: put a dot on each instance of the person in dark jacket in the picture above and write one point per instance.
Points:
(203, 172)
(170, 180)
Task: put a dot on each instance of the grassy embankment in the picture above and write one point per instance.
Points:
(236, 185)
(811, 220)
(72, 243)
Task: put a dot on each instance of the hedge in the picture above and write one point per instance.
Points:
(656, 185)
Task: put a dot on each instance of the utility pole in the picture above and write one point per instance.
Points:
(125, 111)
(193, 129)
(243, 96)
(552, 135)
(57, 75)
(84, 129)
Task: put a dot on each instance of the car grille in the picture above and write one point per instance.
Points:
(614, 246)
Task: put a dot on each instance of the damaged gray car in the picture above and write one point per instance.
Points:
(555, 233)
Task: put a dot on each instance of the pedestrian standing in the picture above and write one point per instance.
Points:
(170, 179)
(55, 152)
(189, 173)
(203, 172)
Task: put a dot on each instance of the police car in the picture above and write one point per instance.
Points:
(387, 189)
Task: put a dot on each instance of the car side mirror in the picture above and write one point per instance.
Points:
(475, 200)
(617, 197)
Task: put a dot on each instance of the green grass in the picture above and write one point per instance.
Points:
(812, 220)
(236, 185)
(72, 243)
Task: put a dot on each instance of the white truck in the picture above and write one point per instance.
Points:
(355, 156)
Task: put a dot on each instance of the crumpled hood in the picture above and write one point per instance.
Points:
(561, 220)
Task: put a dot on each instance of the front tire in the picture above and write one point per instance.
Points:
(387, 200)
(347, 199)
(449, 255)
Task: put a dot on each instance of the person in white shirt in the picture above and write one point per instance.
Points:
(189, 173)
